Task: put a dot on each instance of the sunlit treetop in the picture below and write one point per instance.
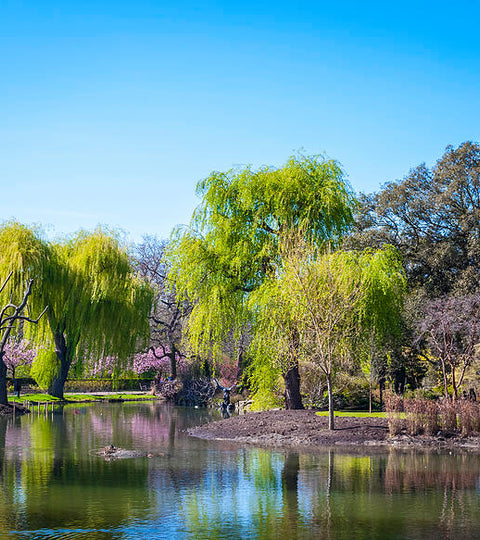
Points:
(233, 240)
(95, 302)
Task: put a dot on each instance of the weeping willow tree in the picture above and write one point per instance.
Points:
(381, 312)
(22, 263)
(275, 347)
(325, 304)
(96, 305)
(232, 243)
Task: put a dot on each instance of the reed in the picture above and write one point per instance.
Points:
(394, 406)
(448, 415)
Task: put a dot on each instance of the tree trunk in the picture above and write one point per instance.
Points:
(445, 382)
(331, 417)
(239, 364)
(173, 362)
(293, 398)
(381, 384)
(3, 381)
(370, 394)
(58, 383)
(454, 382)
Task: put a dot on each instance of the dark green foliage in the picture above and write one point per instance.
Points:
(433, 217)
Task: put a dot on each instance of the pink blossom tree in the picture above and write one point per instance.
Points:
(157, 360)
(19, 354)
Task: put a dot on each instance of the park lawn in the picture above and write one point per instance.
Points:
(80, 398)
(355, 414)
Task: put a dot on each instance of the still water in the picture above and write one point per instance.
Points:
(54, 485)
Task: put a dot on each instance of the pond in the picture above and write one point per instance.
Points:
(54, 485)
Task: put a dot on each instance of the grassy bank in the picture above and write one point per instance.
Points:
(354, 414)
(81, 398)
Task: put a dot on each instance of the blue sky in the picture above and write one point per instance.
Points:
(110, 112)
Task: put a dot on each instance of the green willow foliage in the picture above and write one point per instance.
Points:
(96, 305)
(324, 307)
(233, 241)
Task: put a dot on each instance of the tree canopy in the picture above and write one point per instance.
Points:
(169, 313)
(233, 241)
(433, 217)
(449, 330)
(96, 305)
(324, 306)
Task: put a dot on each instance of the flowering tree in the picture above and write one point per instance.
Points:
(104, 366)
(157, 360)
(19, 354)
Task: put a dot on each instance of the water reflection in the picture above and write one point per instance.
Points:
(53, 485)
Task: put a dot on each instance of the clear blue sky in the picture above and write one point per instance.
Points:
(110, 112)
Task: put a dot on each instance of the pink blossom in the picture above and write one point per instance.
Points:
(19, 354)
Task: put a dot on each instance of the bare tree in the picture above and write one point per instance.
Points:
(450, 331)
(11, 315)
(168, 314)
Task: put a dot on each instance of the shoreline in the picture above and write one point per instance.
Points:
(307, 431)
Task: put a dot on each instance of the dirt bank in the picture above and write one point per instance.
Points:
(7, 410)
(308, 430)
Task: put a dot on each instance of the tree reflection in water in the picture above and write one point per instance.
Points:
(52, 482)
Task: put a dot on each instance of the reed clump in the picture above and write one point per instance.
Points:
(468, 417)
(431, 421)
(394, 407)
(448, 415)
(417, 416)
(414, 409)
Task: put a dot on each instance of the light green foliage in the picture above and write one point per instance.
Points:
(275, 344)
(327, 305)
(233, 242)
(26, 255)
(96, 305)
(45, 367)
(340, 297)
(385, 287)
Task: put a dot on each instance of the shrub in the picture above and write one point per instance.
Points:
(413, 416)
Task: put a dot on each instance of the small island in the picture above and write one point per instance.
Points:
(306, 430)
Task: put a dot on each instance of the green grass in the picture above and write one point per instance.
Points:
(79, 398)
(355, 414)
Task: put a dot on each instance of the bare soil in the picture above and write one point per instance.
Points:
(307, 430)
(7, 410)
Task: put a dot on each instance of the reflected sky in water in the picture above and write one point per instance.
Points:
(53, 484)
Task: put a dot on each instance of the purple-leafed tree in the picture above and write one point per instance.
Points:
(450, 331)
